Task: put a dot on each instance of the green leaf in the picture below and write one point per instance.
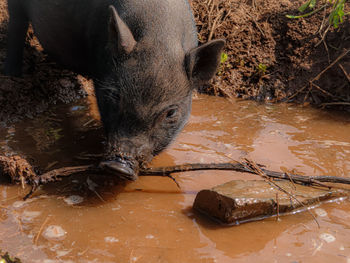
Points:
(224, 57)
(312, 4)
(304, 6)
(336, 16)
(262, 68)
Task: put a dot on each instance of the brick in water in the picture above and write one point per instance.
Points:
(241, 201)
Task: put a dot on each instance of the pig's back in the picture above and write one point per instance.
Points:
(75, 31)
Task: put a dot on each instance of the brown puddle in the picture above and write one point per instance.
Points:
(151, 220)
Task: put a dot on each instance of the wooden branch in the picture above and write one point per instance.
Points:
(20, 171)
(241, 168)
(53, 175)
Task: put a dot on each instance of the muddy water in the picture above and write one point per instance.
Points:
(96, 219)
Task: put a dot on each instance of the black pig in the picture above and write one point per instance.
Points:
(142, 55)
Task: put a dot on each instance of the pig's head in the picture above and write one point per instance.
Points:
(144, 97)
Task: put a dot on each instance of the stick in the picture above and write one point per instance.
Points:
(213, 28)
(296, 93)
(344, 71)
(41, 230)
(311, 82)
(322, 90)
(278, 208)
(331, 65)
(54, 175)
(257, 170)
(236, 166)
(35, 180)
(335, 103)
(291, 180)
(255, 22)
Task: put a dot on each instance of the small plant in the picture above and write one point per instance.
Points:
(262, 68)
(6, 258)
(224, 58)
(336, 15)
(223, 66)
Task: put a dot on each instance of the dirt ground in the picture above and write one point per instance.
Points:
(270, 58)
(43, 81)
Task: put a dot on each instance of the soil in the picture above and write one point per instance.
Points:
(290, 52)
(43, 82)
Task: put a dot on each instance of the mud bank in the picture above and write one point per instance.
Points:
(44, 83)
(272, 57)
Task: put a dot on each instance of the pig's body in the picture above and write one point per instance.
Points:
(75, 32)
(142, 56)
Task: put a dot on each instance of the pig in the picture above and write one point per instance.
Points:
(142, 55)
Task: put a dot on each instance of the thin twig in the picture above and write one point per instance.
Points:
(255, 22)
(335, 103)
(307, 94)
(320, 184)
(260, 172)
(214, 26)
(323, 36)
(40, 230)
(296, 93)
(173, 178)
(311, 82)
(291, 180)
(99, 196)
(278, 207)
(210, 12)
(331, 65)
(35, 180)
(239, 167)
(326, 48)
(88, 122)
(344, 71)
(322, 90)
(323, 22)
(19, 224)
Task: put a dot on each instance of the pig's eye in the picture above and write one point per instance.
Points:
(171, 113)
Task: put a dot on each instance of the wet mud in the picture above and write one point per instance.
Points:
(97, 218)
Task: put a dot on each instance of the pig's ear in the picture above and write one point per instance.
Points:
(120, 35)
(203, 61)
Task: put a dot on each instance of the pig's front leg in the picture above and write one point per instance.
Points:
(17, 29)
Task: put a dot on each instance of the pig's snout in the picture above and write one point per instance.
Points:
(125, 168)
